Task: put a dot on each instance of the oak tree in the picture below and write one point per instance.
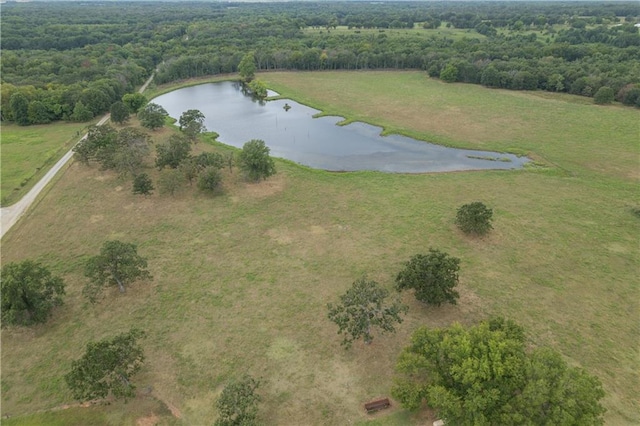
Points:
(238, 403)
(172, 153)
(142, 184)
(152, 116)
(433, 276)
(192, 123)
(361, 309)
(107, 367)
(255, 161)
(474, 218)
(484, 375)
(134, 101)
(118, 264)
(29, 292)
(119, 113)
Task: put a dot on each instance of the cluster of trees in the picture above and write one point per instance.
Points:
(479, 375)
(126, 151)
(432, 276)
(61, 62)
(30, 292)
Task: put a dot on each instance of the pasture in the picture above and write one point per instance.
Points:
(242, 279)
(28, 152)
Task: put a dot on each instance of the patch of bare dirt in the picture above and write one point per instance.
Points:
(265, 188)
(174, 410)
(150, 420)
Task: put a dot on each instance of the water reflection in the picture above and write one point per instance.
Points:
(294, 134)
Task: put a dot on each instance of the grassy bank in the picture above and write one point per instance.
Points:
(241, 280)
(29, 151)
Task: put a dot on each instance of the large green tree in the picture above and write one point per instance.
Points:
(29, 293)
(118, 264)
(238, 403)
(484, 375)
(81, 112)
(433, 276)
(255, 161)
(107, 367)
(363, 308)
(258, 89)
(20, 108)
(152, 116)
(192, 123)
(119, 113)
(39, 113)
(247, 67)
(134, 101)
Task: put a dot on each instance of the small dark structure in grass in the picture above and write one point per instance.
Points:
(379, 404)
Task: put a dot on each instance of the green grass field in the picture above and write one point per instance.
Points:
(241, 280)
(28, 152)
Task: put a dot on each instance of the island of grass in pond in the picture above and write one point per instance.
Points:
(293, 133)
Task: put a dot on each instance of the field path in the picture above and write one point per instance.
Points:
(10, 215)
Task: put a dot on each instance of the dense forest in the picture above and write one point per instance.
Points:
(72, 61)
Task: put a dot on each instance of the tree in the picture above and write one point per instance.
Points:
(474, 218)
(119, 113)
(449, 73)
(39, 113)
(210, 179)
(604, 95)
(484, 375)
(433, 276)
(254, 160)
(134, 101)
(130, 151)
(142, 184)
(99, 139)
(107, 367)
(247, 67)
(191, 116)
(363, 307)
(170, 181)
(81, 113)
(172, 153)
(29, 292)
(20, 108)
(238, 403)
(117, 264)
(152, 116)
(258, 88)
(206, 159)
(189, 169)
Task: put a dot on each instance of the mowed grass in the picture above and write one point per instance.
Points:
(242, 279)
(27, 152)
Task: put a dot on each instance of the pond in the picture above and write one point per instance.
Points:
(294, 134)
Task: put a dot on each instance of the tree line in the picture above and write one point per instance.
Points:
(58, 55)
